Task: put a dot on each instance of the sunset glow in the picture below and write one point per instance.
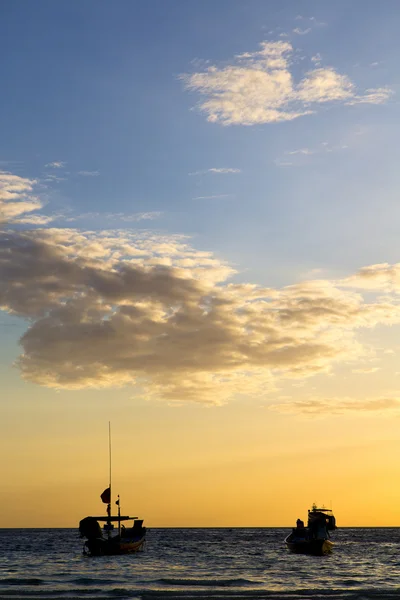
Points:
(199, 244)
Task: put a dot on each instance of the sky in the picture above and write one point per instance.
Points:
(199, 244)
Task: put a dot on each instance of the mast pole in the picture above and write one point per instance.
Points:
(109, 504)
(119, 521)
(109, 448)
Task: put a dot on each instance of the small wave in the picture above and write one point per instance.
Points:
(21, 581)
(68, 594)
(296, 594)
(91, 581)
(209, 582)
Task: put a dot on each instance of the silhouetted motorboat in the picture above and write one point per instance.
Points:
(313, 539)
(106, 541)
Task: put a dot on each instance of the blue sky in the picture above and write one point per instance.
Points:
(96, 86)
(261, 134)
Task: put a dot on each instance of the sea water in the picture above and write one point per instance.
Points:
(201, 563)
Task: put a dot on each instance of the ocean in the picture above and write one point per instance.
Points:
(219, 564)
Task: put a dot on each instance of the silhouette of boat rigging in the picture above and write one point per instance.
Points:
(106, 541)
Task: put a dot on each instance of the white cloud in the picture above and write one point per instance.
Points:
(126, 218)
(300, 31)
(18, 201)
(218, 170)
(53, 178)
(325, 85)
(259, 87)
(16, 197)
(143, 216)
(300, 154)
(89, 173)
(317, 59)
(305, 151)
(372, 96)
(56, 164)
(310, 20)
(215, 170)
(36, 219)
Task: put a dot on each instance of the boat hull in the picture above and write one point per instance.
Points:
(313, 547)
(102, 547)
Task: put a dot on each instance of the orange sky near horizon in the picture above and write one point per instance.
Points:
(231, 466)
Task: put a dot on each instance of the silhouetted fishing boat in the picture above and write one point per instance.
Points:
(107, 541)
(102, 542)
(313, 539)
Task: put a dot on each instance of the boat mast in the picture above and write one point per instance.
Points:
(109, 525)
(119, 518)
(109, 448)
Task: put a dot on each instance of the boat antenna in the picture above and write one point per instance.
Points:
(119, 517)
(109, 448)
(109, 526)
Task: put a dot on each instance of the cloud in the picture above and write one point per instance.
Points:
(37, 219)
(89, 173)
(259, 87)
(300, 31)
(53, 178)
(214, 170)
(300, 154)
(126, 218)
(143, 216)
(338, 406)
(305, 151)
(16, 197)
(382, 277)
(57, 164)
(310, 20)
(372, 96)
(220, 171)
(317, 59)
(120, 307)
(367, 370)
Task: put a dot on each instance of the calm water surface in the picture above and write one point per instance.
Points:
(199, 564)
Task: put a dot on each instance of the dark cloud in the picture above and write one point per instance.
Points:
(113, 308)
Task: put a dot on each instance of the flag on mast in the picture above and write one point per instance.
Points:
(106, 496)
